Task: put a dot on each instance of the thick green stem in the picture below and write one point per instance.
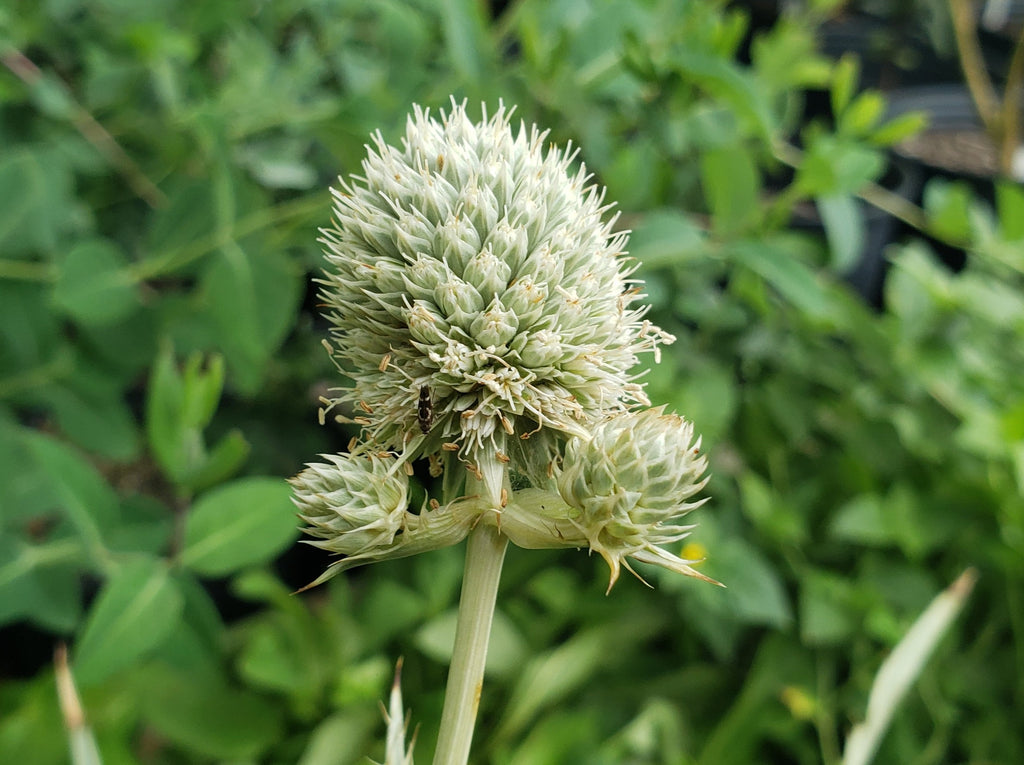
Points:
(484, 557)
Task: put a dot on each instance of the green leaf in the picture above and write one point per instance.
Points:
(31, 717)
(35, 197)
(789, 276)
(754, 591)
(199, 711)
(164, 405)
(561, 735)
(252, 297)
(78, 490)
(844, 229)
(197, 640)
(465, 38)
(705, 393)
(832, 165)
(756, 714)
(94, 285)
(362, 682)
(224, 460)
(900, 128)
(827, 613)
(391, 609)
(731, 186)
(725, 80)
(26, 493)
(99, 421)
(553, 675)
(136, 609)
(202, 385)
(666, 238)
(505, 656)
(178, 407)
(916, 288)
(863, 113)
(40, 583)
(340, 738)
(776, 516)
(1010, 204)
(948, 206)
(187, 218)
(269, 660)
(844, 82)
(242, 523)
(862, 520)
(636, 176)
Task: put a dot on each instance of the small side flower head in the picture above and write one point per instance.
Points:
(356, 506)
(353, 504)
(631, 484)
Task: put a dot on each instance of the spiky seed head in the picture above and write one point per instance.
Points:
(486, 270)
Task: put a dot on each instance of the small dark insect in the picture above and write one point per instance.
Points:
(425, 410)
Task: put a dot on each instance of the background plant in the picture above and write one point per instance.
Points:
(160, 369)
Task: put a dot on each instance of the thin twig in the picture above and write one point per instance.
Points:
(91, 130)
(965, 31)
(1012, 95)
(872, 193)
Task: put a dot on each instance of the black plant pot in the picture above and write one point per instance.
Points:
(954, 144)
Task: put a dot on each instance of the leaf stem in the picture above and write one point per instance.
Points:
(484, 557)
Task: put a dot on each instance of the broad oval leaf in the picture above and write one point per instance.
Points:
(200, 711)
(135, 611)
(665, 238)
(242, 523)
(94, 285)
(844, 229)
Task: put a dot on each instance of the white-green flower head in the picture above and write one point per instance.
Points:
(477, 290)
(356, 505)
(630, 485)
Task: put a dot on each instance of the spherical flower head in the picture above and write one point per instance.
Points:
(630, 484)
(477, 291)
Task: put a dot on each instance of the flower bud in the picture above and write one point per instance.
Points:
(456, 241)
(488, 273)
(526, 299)
(512, 241)
(425, 324)
(457, 298)
(495, 326)
(542, 349)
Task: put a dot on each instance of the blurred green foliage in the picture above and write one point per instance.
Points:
(163, 171)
